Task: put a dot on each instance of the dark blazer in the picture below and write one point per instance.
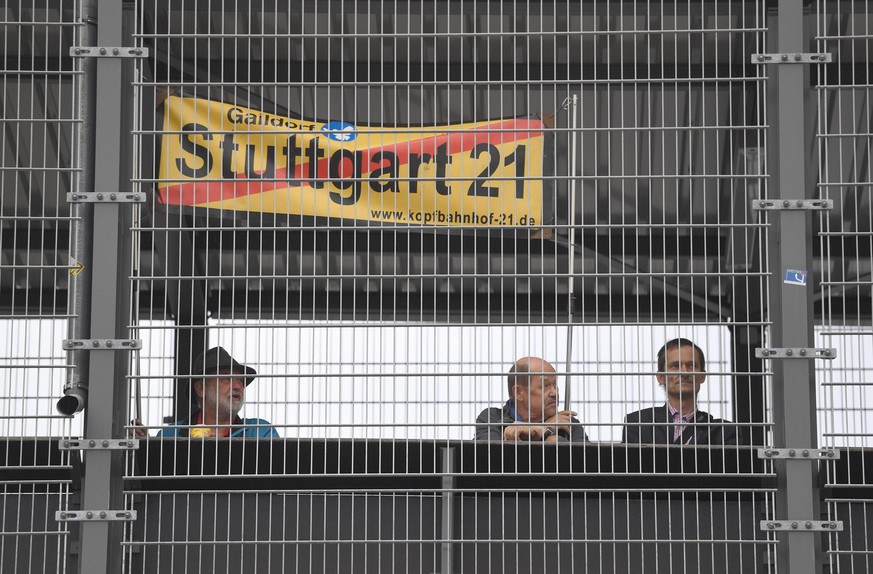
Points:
(655, 426)
(491, 422)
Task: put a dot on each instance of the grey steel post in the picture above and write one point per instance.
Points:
(791, 306)
(448, 510)
(105, 411)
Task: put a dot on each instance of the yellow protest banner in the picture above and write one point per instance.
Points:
(225, 156)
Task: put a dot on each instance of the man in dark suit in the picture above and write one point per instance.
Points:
(681, 371)
(531, 413)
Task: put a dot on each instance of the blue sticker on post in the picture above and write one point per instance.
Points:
(796, 277)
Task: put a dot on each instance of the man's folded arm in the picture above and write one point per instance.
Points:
(577, 432)
(489, 425)
(731, 435)
(630, 431)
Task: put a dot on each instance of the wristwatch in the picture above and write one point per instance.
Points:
(549, 432)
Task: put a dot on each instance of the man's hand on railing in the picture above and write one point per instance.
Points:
(139, 431)
(524, 432)
(562, 420)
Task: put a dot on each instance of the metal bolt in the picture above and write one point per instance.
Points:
(802, 352)
(108, 343)
(138, 52)
(799, 203)
(822, 57)
(771, 526)
(762, 57)
(78, 51)
(826, 353)
(95, 343)
(130, 443)
(794, 525)
(796, 57)
(831, 454)
(833, 524)
(791, 452)
(62, 515)
(112, 196)
(100, 196)
(103, 514)
(66, 444)
(103, 51)
(789, 353)
(115, 51)
(127, 515)
(784, 57)
(808, 525)
(786, 203)
(92, 443)
(805, 452)
(105, 444)
(89, 514)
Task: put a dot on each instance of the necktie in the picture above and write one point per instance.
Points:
(677, 427)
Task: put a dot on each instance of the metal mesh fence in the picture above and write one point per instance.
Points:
(354, 311)
(844, 239)
(39, 148)
(401, 278)
(381, 209)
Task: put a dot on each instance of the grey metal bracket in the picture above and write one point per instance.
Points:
(99, 444)
(796, 353)
(792, 204)
(115, 197)
(799, 453)
(102, 344)
(95, 515)
(803, 525)
(108, 52)
(792, 58)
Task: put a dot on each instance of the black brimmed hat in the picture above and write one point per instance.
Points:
(214, 360)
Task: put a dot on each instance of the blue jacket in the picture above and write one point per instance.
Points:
(242, 428)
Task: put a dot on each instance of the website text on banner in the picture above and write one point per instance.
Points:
(225, 156)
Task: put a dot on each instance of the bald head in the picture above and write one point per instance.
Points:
(520, 372)
(533, 389)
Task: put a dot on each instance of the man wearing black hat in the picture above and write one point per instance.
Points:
(219, 395)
